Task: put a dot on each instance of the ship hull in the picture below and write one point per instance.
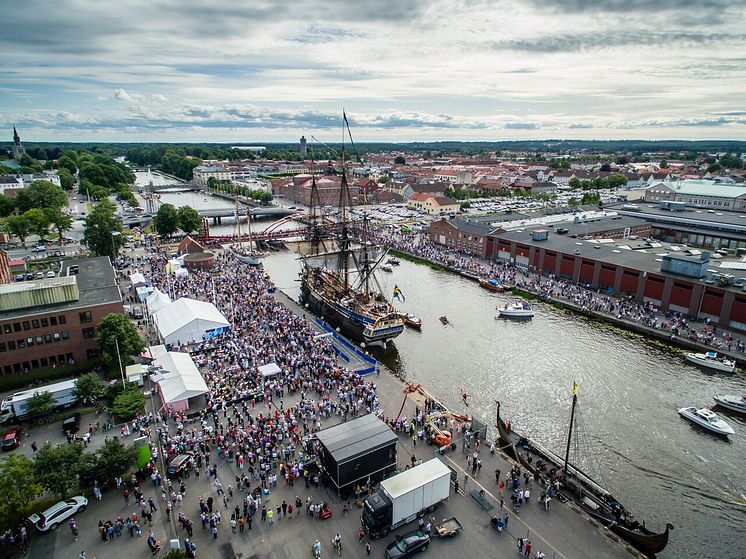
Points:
(351, 328)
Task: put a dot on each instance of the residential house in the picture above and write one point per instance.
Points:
(432, 204)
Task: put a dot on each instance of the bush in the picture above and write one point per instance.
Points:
(128, 403)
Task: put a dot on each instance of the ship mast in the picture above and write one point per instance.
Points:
(569, 431)
(344, 233)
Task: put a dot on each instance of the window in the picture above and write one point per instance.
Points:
(44, 323)
(91, 353)
(56, 336)
(48, 338)
(62, 319)
(88, 333)
(65, 335)
(53, 320)
(85, 317)
(35, 323)
(17, 368)
(11, 345)
(34, 363)
(26, 325)
(8, 369)
(21, 344)
(2, 347)
(30, 342)
(7, 328)
(16, 326)
(44, 362)
(39, 340)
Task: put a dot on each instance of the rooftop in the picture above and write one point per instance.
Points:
(95, 281)
(703, 187)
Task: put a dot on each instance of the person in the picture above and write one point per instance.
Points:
(317, 549)
(367, 548)
(360, 535)
(337, 542)
(82, 555)
(540, 555)
(74, 528)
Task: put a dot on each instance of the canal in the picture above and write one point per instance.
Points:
(630, 437)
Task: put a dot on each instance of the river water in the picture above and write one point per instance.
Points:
(630, 437)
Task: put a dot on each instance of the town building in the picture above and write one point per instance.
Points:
(467, 236)
(432, 204)
(699, 193)
(299, 187)
(303, 147)
(51, 322)
(203, 174)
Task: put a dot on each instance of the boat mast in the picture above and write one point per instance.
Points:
(238, 225)
(569, 432)
(344, 200)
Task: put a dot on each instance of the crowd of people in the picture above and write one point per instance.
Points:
(675, 324)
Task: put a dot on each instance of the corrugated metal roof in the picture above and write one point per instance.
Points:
(703, 188)
(38, 293)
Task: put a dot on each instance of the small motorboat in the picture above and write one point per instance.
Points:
(444, 319)
(387, 268)
(711, 360)
(519, 309)
(393, 261)
(707, 419)
(492, 285)
(412, 321)
(733, 403)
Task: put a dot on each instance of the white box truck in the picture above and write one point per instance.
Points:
(406, 496)
(14, 407)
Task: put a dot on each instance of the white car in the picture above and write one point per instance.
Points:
(51, 518)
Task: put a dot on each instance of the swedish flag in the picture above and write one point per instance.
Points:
(398, 294)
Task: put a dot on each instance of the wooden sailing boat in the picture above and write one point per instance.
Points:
(247, 255)
(580, 488)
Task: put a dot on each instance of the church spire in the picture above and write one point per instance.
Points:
(16, 137)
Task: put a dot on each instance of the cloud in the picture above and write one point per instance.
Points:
(521, 126)
(628, 37)
(121, 95)
(158, 97)
(579, 126)
(631, 5)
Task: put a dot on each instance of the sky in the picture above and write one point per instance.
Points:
(252, 71)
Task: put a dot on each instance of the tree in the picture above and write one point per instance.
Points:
(44, 194)
(128, 403)
(189, 219)
(383, 179)
(18, 226)
(114, 459)
(19, 487)
(117, 332)
(713, 168)
(663, 164)
(212, 183)
(89, 388)
(59, 220)
(590, 198)
(6, 205)
(574, 202)
(40, 404)
(38, 222)
(399, 160)
(66, 179)
(56, 467)
(102, 232)
(574, 183)
(67, 163)
(605, 168)
(166, 220)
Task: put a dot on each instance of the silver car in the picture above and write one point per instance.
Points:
(48, 520)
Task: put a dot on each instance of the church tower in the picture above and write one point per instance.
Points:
(303, 149)
(18, 149)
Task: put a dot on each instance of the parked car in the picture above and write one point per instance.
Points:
(71, 423)
(408, 544)
(179, 464)
(39, 275)
(48, 520)
(51, 274)
(12, 439)
(39, 248)
(20, 277)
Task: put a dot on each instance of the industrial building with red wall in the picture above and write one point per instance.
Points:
(631, 267)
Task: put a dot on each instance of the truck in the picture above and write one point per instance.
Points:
(406, 496)
(14, 407)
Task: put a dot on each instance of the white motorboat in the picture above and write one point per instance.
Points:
(734, 403)
(387, 268)
(711, 360)
(707, 419)
(519, 309)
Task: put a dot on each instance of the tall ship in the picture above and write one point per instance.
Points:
(245, 252)
(338, 282)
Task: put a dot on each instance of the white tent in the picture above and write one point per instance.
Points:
(154, 352)
(138, 280)
(178, 380)
(188, 320)
(157, 300)
(270, 369)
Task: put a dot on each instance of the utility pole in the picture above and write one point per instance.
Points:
(119, 356)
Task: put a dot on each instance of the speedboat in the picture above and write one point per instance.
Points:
(387, 268)
(711, 360)
(519, 309)
(444, 319)
(393, 261)
(734, 403)
(707, 419)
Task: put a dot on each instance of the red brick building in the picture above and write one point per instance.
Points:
(298, 189)
(459, 234)
(51, 322)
